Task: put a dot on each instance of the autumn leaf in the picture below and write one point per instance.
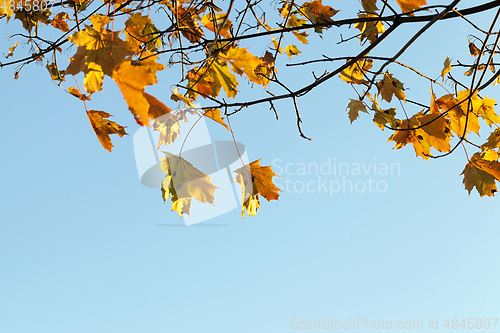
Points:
(423, 131)
(369, 30)
(181, 98)
(216, 115)
(55, 74)
(411, 5)
(356, 72)
(103, 127)
(390, 86)
(383, 117)
(369, 5)
(317, 13)
(493, 140)
(242, 61)
(11, 50)
(481, 172)
(184, 182)
(487, 112)
(132, 77)
(76, 92)
(141, 32)
(354, 107)
(292, 50)
(99, 52)
(169, 128)
(458, 112)
(255, 180)
(59, 23)
(446, 68)
(208, 22)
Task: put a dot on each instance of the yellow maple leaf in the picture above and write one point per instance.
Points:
(59, 23)
(208, 22)
(132, 77)
(77, 93)
(431, 130)
(104, 127)
(390, 86)
(255, 180)
(357, 71)
(292, 50)
(242, 61)
(481, 172)
(457, 113)
(446, 68)
(411, 5)
(99, 52)
(316, 12)
(369, 30)
(493, 140)
(487, 112)
(11, 50)
(383, 117)
(184, 182)
(216, 115)
(370, 6)
(354, 107)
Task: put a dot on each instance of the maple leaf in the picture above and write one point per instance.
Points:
(431, 130)
(30, 19)
(132, 77)
(76, 92)
(181, 98)
(354, 107)
(267, 68)
(59, 23)
(242, 61)
(493, 140)
(446, 68)
(11, 50)
(481, 172)
(187, 22)
(458, 112)
(383, 117)
(55, 73)
(169, 128)
(370, 6)
(292, 50)
(156, 107)
(184, 182)
(390, 86)
(255, 180)
(141, 33)
(487, 112)
(317, 13)
(216, 115)
(369, 30)
(356, 72)
(104, 127)
(411, 5)
(99, 52)
(208, 22)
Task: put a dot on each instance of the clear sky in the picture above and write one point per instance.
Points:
(85, 247)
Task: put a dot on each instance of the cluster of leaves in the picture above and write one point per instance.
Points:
(204, 41)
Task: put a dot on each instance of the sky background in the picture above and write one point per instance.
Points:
(85, 247)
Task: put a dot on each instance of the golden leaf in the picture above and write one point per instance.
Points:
(104, 127)
(354, 107)
(255, 180)
(411, 5)
(390, 86)
(356, 72)
(184, 182)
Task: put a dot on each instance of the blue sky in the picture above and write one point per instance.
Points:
(85, 247)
